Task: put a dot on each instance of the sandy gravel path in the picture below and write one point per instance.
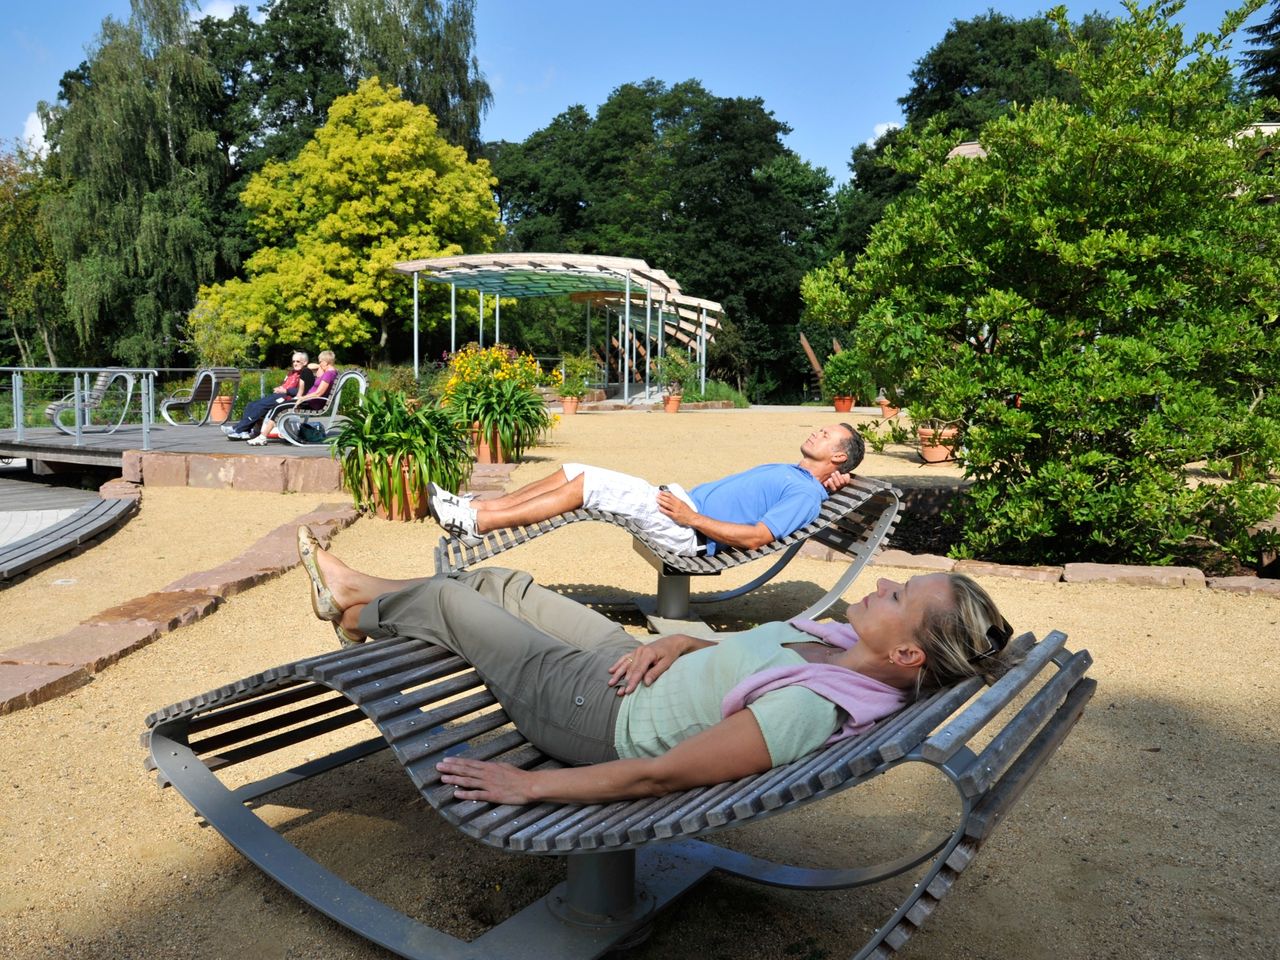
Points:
(1152, 834)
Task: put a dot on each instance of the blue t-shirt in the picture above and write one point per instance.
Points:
(782, 496)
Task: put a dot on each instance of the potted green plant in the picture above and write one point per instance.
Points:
(391, 447)
(507, 417)
(843, 380)
(577, 371)
(674, 372)
(938, 440)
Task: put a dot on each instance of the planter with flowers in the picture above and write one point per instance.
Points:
(577, 371)
(844, 380)
(673, 372)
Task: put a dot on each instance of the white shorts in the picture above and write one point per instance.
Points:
(637, 500)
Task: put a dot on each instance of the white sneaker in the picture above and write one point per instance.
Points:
(444, 496)
(259, 441)
(459, 521)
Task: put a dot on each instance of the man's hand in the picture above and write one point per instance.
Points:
(836, 481)
(675, 508)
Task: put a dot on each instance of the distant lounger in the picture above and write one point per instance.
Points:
(93, 401)
(626, 860)
(195, 404)
(853, 521)
(65, 535)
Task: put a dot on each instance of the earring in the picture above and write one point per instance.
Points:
(892, 661)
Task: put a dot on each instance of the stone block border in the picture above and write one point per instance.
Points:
(39, 671)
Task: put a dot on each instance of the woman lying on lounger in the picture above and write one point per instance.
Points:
(644, 719)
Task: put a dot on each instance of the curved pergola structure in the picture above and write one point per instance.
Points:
(624, 285)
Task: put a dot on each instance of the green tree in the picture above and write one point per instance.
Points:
(376, 185)
(32, 315)
(1262, 65)
(425, 49)
(1096, 302)
(700, 186)
(139, 164)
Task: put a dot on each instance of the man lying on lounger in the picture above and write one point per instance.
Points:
(746, 509)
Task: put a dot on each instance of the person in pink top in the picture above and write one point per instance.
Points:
(680, 711)
(312, 399)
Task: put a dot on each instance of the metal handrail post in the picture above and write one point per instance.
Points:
(19, 404)
(77, 397)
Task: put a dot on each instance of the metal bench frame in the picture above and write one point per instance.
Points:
(626, 860)
(289, 418)
(853, 521)
(82, 403)
(209, 383)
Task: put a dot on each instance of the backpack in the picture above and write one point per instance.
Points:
(312, 432)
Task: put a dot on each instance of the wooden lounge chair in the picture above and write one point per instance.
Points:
(289, 419)
(196, 403)
(854, 521)
(626, 860)
(65, 535)
(94, 400)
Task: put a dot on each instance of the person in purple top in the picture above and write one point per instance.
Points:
(313, 399)
(748, 509)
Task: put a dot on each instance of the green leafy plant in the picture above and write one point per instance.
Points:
(391, 447)
(844, 375)
(674, 372)
(579, 371)
(514, 413)
(716, 390)
(881, 433)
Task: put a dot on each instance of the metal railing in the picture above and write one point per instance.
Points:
(80, 391)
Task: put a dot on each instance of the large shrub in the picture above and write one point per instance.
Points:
(1096, 301)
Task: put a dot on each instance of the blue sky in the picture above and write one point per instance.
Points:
(833, 70)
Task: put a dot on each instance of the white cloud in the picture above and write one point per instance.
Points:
(219, 9)
(880, 129)
(33, 134)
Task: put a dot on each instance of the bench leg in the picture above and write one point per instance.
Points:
(673, 596)
(600, 892)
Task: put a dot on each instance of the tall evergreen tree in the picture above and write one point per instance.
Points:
(426, 49)
(138, 160)
(1262, 65)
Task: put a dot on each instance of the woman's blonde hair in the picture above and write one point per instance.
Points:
(326, 356)
(966, 638)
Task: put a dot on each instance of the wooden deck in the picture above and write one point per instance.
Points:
(107, 449)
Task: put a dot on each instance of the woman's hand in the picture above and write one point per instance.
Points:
(650, 661)
(482, 780)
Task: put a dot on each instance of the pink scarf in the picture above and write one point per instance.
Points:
(862, 699)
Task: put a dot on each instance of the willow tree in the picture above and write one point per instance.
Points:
(1096, 304)
(32, 316)
(376, 185)
(426, 49)
(138, 166)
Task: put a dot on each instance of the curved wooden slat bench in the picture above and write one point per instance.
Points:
(93, 399)
(209, 383)
(626, 860)
(854, 521)
(86, 523)
(289, 419)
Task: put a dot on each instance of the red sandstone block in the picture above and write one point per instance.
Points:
(168, 610)
(1269, 588)
(164, 469)
(1136, 575)
(131, 466)
(120, 489)
(91, 646)
(214, 471)
(267, 474)
(313, 475)
(224, 581)
(25, 685)
(981, 568)
(920, 561)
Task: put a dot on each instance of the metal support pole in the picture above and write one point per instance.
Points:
(702, 349)
(415, 325)
(481, 318)
(497, 318)
(77, 396)
(648, 339)
(601, 885)
(626, 325)
(453, 318)
(19, 405)
(148, 397)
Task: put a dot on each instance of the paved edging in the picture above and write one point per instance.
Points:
(45, 669)
(1067, 573)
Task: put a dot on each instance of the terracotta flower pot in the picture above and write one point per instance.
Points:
(220, 408)
(842, 404)
(671, 404)
(937, 446)
(406, 507)
(887, 410)
(570, 405)
(488, 449)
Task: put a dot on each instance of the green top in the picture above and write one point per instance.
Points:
(686, 699)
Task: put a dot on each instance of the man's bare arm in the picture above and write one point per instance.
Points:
(747, 535)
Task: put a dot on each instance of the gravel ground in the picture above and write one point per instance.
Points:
(1150, 835)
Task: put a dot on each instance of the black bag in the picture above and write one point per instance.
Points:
(311, 432)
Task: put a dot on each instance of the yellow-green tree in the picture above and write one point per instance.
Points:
(376, 185)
